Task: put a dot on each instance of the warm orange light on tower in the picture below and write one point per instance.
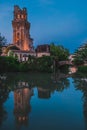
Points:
(26, 47)
(21, 26)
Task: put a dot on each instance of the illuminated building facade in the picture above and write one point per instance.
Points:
(21, 28)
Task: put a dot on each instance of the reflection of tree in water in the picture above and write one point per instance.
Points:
(22, 85)
(81, 84)
(61, 81)
(52, 82)
(63, 84)
(3, 114)
(58, 81)
(43, 93)
(4, 92)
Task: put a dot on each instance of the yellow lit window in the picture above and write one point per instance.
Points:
(22, 16)
(18, 16)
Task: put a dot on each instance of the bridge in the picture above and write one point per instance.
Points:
(65, 63)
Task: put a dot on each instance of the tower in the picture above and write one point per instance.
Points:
(21, 27)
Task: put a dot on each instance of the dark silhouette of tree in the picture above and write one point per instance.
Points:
(81, 55)
(3, 42)
(81, 84)
(4, 92)
(59, 52)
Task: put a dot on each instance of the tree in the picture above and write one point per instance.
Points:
(81, 55)
(2, 42)
(44, 64)
(59, 52)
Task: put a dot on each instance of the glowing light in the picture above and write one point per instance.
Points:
(26, 46)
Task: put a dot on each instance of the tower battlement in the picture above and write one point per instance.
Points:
(20, 14)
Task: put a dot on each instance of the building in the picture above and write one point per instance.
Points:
(21, 35)
(43, 50)
(21, 30)
(22, 45)
(21, 55)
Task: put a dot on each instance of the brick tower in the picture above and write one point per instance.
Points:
(21, 27)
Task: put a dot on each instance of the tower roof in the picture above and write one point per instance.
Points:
(18, 9)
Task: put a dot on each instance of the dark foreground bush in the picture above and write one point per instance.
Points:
(82, 69)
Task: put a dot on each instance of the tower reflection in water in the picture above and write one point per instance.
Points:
(22, 105)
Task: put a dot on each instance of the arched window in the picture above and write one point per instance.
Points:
(18, 35)
(18, 16)
(22, 16)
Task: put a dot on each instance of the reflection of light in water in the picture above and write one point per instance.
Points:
(72, 70)
(22, 104)
(21, 84)
(84, 79)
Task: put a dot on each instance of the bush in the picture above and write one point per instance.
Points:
(82, 69)
(8, 64)
(44, 64)
(78, 61)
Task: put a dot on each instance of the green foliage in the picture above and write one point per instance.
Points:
(11, 64)
(23, 67)
(8, 64)
(16, 57)
(59, 52)
(64, 69)
(2, 42)
(78, 60)
(44, 64)
(81, 55)
(31, 59)
(82, 69)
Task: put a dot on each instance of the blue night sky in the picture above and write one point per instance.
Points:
(62, 22)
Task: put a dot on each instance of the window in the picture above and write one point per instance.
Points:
(18, 16)
(22, 16)
(18, 35)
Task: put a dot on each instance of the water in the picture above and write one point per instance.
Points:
(37, 101)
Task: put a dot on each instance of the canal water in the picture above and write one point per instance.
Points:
(35, 101)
